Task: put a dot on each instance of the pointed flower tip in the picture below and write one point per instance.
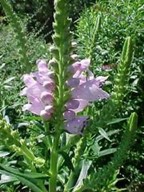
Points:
(76, 125)
(45, 115)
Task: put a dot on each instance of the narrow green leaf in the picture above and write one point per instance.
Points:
(107, 152)
(29, 175)
(83, 174)
(7, 179)
(109, 133)
(4, 153)
(118, 120)
(25, 181)
(104, 134)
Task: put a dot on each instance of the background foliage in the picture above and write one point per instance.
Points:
(118, 20)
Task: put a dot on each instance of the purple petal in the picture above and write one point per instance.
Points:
(90, 75)
(46, 98)
(23, 92)
(89, 91)
(82, 104)
(72, 104)
(73, 82)
(28, 80)
(74, 67)
(34, 91)
(100, 80)
(42, 77)
(85, 63)
(42, 65)
(80, 66)
(45, 115)
(49, 108)
(69, 115)
(36, 107)
(49, 85)
(75, 126)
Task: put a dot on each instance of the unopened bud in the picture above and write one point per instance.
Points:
(74, 44)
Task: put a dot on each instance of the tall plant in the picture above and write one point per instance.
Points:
(20, 35)
(58, 93)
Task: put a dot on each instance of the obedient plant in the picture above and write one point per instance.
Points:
(82, 88)
(58, 92)
(20, 36)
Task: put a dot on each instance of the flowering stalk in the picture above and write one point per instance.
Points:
(120, 86)
(59, 90)
(121, 80)
(20, 36)
(101, 180)
(94, 37)
(18, 145)
(61, 57)
(76, 162)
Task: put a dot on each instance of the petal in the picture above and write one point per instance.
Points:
(42, 65)
(23, 92)
(74, 67)
(80, 66)
(85, 63)
(69, 115)
(82, 77)
(46, 97)
(82, 105)
(26, 107)
(76, 125)
(73, 82)
(36, 107)
(49, 85)
(49, 108)
(35, 91)
(89, 91)
(101, 80)
(72, 104)
(28, 80)
(45, 115)
(90, 75)
(42, 77)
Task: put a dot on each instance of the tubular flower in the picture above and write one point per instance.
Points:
(84, 88)
(39, 91)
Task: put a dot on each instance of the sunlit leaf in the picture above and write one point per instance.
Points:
(104, 134)
(107, 152)
(4, 153)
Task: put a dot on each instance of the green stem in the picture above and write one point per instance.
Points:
(74, 174)
(80, 189)
(20, 35)
(48, 139)
(53, 163)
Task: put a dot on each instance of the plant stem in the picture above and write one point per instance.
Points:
(53, 163)
(74, 174)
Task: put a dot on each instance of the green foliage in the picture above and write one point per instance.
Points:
(10, 71)
(73, 160)
(20, 36)
(118, 20)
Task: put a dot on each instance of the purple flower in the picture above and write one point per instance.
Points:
(89, 91)
(76, 125)
(83, 86)
(39, 91)
(84, 89)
